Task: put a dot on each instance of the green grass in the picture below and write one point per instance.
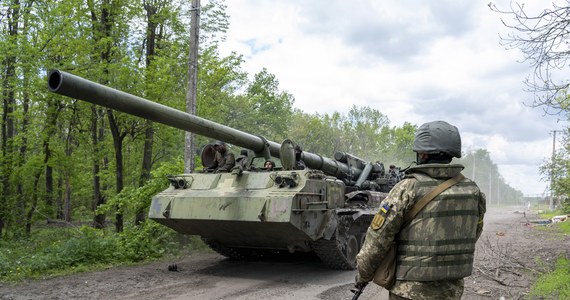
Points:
(549, 215)
(56, 251)
(553, 285)
(564, 227)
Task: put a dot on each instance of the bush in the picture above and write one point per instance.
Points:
(147, 241)
(53, 251)
(92, 247)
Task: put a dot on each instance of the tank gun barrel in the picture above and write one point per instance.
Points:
(73, 86)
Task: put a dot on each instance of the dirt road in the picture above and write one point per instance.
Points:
(507, 254)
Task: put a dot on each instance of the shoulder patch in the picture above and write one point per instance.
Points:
(377, 222)
(380, 216)
(385, 208)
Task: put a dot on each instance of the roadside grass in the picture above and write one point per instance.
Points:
(565, 227)
(59, 251)
(550, 214)
(554, 284)
(562, 227)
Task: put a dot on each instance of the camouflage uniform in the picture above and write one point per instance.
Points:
(241, 160)
(299, 163)
(224, 161)
(400, 200)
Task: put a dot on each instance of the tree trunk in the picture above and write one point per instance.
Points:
(34, 204)
(67, 201)
(54, 108)
(59, 199)
(102, 29)
(49, 184)
(146, 167)
(98, 199)
(118, 147)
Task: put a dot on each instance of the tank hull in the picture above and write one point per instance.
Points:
(249, 210)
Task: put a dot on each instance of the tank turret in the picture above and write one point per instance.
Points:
(325, 208)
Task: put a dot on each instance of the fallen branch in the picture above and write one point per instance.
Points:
(499, 281)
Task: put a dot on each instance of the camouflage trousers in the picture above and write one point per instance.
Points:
(428, 290)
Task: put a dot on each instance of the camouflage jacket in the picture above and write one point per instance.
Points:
(224, 162)
(400, 200)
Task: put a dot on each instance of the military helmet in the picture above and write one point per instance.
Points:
(436, 137)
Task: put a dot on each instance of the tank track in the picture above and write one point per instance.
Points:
(340, 251)
(331, 255)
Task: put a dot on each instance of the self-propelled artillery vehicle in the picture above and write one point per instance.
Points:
(249, 212)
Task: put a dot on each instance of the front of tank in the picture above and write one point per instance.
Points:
(248, 210)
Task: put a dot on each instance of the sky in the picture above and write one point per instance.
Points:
(415, 61)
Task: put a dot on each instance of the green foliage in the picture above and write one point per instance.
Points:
(146, 241)
(46, 254)
(553, 285)
(557, 170)
(565, 227)
(53, 251)
(359, 132)
(398, 146)
(133, 199)
(549, 215)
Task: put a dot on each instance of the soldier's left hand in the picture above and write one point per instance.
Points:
(359, 283)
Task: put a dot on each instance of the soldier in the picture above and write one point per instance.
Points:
(225, 160)
(299, 164)
(269, 165)
(435, 250)
(241, 160)
(393, 175)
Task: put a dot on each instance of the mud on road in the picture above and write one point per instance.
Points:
(508, 256)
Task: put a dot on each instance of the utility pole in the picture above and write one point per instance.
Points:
(490, 188)
(551, 202)
(498, 190)
(192, 83)
(473, 155)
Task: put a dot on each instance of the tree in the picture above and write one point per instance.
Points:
(398, 143)
(363, 128)
(106, 24)
(358, 132)
(557, 170)
(543, 39)
(270, 109)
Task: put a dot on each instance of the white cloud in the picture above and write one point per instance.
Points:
(414, 61)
